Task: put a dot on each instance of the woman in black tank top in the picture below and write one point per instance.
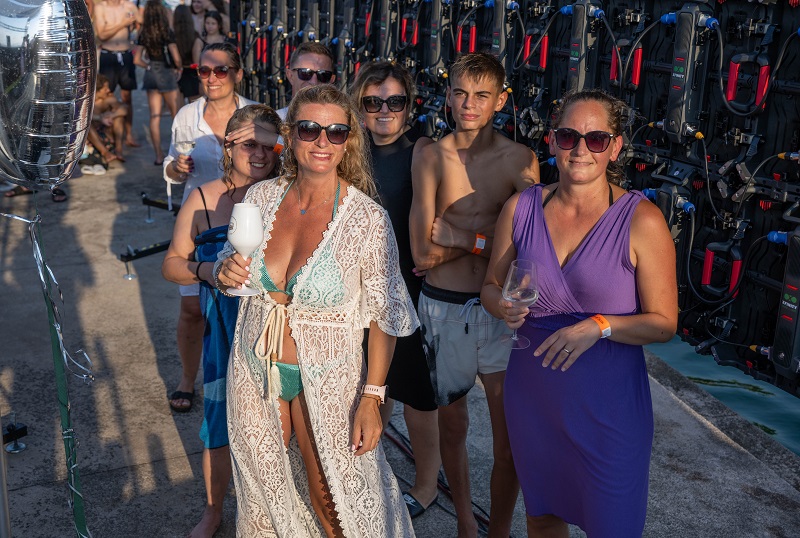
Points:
(384, 91)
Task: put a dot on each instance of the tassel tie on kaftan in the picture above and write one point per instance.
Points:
(269, 347)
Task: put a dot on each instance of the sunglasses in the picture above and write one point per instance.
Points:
(221, 71)
(308, 131)
(373, 103)
(596, 141)
(305, 74)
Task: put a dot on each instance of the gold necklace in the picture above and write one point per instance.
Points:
(306, 210)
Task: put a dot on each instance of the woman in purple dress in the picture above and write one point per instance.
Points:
(577, 401)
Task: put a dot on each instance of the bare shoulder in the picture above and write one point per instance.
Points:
(421, 143)
(514, 153)
(214, 188)
(193, 202)
(511, 204)
(648, 214)
(648, 222)
(432, 151)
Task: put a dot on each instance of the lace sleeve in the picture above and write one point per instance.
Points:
(387, 300)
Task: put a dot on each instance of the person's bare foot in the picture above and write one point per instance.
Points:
(132, 143)
(208, 524)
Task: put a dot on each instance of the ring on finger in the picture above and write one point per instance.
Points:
(567, 351)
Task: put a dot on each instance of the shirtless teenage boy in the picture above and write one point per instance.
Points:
(460, 186)
(113, 21)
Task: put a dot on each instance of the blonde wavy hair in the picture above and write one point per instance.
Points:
(355, 166)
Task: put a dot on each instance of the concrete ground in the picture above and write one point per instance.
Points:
(712, 473)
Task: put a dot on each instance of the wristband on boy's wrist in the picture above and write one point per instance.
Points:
(197, 271)
(480, 244)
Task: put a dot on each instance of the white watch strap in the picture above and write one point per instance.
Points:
(376, 390)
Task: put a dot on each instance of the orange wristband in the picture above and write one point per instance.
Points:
(480, 243)
(602, 322)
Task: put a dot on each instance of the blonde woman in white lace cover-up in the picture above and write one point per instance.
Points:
(349, 280)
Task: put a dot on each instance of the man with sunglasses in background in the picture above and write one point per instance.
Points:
(311, 63)
(460, 185)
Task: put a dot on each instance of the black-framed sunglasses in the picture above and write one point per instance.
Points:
(305, 74)
(373, 103)
(220, 71)
(308, 131)
(596, 141)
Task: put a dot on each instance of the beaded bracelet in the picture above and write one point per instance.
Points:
(221, 287)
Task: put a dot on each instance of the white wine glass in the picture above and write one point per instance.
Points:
(522, 289)
(184, 142)
(245, 234)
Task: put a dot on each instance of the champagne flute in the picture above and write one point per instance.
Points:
(183, 142)
(245, 234)
(520, 288)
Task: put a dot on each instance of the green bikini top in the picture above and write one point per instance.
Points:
(266, 280)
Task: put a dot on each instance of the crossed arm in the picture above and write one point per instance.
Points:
(425, 177)
(434, 240)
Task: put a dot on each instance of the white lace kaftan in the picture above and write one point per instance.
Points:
(352, 278)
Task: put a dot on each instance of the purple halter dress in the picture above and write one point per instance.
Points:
(581, 439)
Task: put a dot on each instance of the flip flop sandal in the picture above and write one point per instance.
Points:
(58, 195)
(19, 190)
(98, 170)
(180, 395)
(415, 509)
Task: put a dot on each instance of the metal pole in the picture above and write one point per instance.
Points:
(5, 515)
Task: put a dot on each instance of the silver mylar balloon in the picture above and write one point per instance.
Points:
(47, 77)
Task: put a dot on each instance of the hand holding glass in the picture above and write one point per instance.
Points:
(184, 141)
(245, 234)
(520, 288)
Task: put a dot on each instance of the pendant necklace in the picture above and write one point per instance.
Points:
(306, 210)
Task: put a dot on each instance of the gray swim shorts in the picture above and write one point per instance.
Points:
(461, 340)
